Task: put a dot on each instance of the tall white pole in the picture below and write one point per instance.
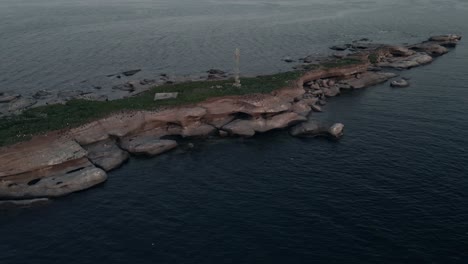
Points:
(236, 69)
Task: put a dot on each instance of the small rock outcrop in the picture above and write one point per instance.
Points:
(147, 145)
(400, 83)
(431, 48)
(412, 61)
(106, 154)
(446, 38)
(336, 130)
(369, 79)
(312, 128)
(21, 104)
(131, 72)
(42, 94)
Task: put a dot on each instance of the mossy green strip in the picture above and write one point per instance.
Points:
(77, 112)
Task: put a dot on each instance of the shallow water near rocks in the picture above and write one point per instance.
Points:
(393, 190)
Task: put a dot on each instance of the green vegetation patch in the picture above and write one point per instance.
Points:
(341, 63)
(373, 58)
(77, 112)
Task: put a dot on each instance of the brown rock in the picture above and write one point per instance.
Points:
(106, 154)
(336, 130)
(248, 128)
(301, 107)
(52, 185)
(332, 91)
(335, 72)
(431, 48)
(147, 145)
(445, 38)
(239, 127)
(21, 104)
(369, 79)
(131, 72)
(415, 60)
(37, 154)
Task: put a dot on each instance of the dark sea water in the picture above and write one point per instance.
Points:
(393, 190)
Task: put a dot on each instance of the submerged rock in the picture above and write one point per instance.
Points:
(400, 51)
(70, 95)
(21, 104)
(13, 204)
(6, 98)
(415, 60)
(215, 72)
(131, 72)
(42, 94)
(339, 47)
(287, 59)
(433, 49)
(302, 108)
(332, 91)
(309, 128)
(310, 59)
(148, 81)
(248, 128)
(128, 87)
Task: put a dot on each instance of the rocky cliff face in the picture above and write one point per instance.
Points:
(64, 162)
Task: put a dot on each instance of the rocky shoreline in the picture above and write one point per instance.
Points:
(63, 162)
(117, 86)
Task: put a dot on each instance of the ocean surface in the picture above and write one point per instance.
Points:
(393, 190)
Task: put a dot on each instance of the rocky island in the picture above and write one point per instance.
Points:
(54, 150)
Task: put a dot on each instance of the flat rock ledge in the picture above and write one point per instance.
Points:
(64, 162)
(147, 145)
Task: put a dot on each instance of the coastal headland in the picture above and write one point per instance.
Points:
(54, 150)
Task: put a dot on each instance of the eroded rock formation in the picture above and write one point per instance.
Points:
(68, 161)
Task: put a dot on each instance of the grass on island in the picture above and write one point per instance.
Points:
(77, 112)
